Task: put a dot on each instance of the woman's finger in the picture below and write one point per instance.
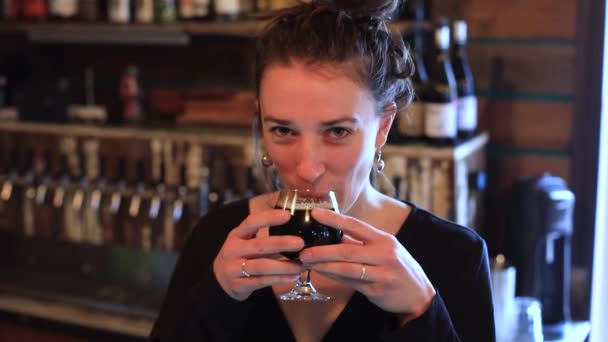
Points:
(341, 252)
(349, 239)
(247, 268)
(250, 226)
(357, 229)
(264, 246)
(342, 271)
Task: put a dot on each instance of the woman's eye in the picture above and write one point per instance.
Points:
(280, 130)
(339, 132)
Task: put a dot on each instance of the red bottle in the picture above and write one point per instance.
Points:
(34, 10)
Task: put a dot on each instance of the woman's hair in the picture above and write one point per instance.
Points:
(349, 34)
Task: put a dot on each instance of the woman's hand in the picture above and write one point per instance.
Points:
(246, 263)
(374, 263)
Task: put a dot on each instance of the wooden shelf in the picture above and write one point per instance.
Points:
(214, 136)
(425, 151)
(178, 34)
(64, 313)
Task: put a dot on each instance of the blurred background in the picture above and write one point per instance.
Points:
(123, 121)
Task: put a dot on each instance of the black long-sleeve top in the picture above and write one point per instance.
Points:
(454, 258)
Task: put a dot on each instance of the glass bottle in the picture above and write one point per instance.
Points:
(440, 124)
(467, 101)
(119, 11)
(63, 10)
(34, 10)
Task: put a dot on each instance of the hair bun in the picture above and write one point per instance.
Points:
(381, 9)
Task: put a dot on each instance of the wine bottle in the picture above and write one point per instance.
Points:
(130, 93)
(88, 10)
(119, 11)
(467, 101)
(34, 10)
(227, 10)
(144, 11)
(62, 10)
(203, 9)
(165, 11)
(10, 9)
(409, 123)
(440, 124)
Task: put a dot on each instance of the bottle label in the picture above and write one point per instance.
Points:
(63, 8)
(467, 113)
(200, 8)
(118, 11)
(34, 8)
(440, 120)
(410, 122)
(144, 11)
(227, 7)
(186, 8)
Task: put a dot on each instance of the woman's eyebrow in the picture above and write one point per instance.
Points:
(349, 119)
(268, 118)
(341, 120)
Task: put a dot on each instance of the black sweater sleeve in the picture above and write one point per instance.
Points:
(195, 307)
(470, 314)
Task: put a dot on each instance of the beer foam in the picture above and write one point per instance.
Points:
(312, 204)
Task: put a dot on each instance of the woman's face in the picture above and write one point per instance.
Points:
(320, 129)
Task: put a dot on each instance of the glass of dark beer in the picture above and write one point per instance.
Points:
(300, 203)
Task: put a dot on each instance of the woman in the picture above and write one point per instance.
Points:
(329, 80)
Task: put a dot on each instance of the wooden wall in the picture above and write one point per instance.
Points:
(523, 56)
(525, 59)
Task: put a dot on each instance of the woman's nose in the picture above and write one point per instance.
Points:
(310, 164)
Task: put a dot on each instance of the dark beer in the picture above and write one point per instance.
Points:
(303, 225)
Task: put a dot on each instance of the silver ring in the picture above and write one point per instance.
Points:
(362, 277)
(244, 273)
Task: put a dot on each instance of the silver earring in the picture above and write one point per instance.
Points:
(379, 162)
(266, 162)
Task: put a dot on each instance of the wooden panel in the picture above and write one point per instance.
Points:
(507, 169)
(527, 124)
(524, 67)
(521, 18)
